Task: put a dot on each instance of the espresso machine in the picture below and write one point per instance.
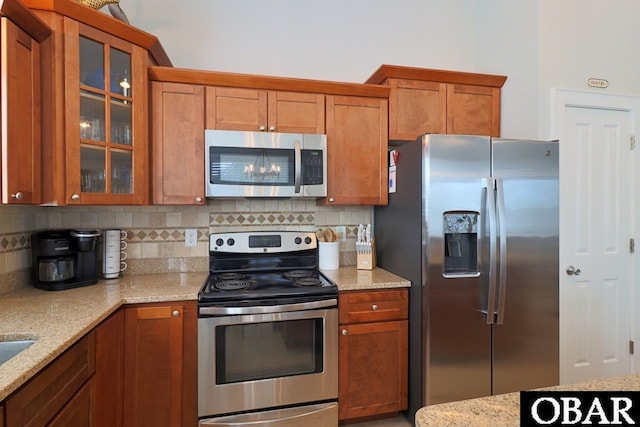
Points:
(64, 259)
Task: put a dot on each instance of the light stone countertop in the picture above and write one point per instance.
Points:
(57, 319)
(349, 278)
(503, 410)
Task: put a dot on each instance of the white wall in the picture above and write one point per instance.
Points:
(538, 44)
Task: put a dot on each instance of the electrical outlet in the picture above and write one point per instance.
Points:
(191, 237)
(342, 229)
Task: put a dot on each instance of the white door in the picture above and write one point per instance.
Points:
(596, 227)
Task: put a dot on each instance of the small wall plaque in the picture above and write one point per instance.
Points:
(601, 83)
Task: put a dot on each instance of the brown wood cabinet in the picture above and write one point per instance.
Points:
(1, 415)
(21, 33)
(78, 411)
(264, 110)
(109, 376)
(373, 348)
(95, 106)
(59, 393)
(160, 365)
(177, 135)
(435, 101)
(357, 144)
(354, 117)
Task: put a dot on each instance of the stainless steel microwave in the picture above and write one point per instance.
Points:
(265, 164)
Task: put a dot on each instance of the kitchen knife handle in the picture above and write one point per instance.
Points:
(297, 166)
(488, 184)
(502, 231)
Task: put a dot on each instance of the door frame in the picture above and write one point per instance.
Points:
(561, 99)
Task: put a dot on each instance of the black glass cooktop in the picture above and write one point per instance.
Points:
(230, 286)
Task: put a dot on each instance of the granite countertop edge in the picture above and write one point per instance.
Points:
(58, 319)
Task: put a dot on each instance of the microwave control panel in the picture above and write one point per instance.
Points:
(312, 167)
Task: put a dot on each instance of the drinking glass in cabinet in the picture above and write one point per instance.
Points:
(92, 168)
(85, 128)
(92, 181)
(121, 167)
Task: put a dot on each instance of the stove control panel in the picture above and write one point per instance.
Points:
(262, 241)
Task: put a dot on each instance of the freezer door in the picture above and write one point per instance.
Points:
(458, 344)
(525, 338)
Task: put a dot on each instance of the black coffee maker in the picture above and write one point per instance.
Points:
(64, 259)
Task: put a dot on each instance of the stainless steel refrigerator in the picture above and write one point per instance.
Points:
(474, 225)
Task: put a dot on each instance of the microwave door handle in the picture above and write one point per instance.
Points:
(298, 165)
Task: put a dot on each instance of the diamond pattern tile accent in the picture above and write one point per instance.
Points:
(15, 241)
(262, 218)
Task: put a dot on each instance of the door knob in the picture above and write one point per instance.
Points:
(571, 270)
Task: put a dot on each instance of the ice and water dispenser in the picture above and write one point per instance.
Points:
(460, 230)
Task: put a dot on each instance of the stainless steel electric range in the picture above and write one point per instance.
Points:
(267, 333)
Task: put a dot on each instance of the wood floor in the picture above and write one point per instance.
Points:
(399, 421)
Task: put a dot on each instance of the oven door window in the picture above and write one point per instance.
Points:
(258, 351)
(255, 166)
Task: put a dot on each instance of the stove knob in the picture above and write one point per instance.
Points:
(307, 240)
(298, 240)
(231, 242)
(219, 242)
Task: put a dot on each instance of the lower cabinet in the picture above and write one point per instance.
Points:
(78, 412)
(373, 353)
(61, 394)
(160, 364)
(109, 376)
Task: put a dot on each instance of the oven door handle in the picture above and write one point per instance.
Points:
(266, 309)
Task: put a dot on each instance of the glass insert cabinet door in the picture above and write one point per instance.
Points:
(106, 125)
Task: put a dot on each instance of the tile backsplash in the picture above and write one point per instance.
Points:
(156, 234)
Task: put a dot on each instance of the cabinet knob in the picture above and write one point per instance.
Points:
(199, 199)
(344, 332)
(175, 313)
(331, 200)
(374, 307)
(272, 128)
(75, 196)
(18, 195)
(262, 128)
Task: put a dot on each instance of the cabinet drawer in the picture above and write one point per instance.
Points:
(373, 306)
(37, 402)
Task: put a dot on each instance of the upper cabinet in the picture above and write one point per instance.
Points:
(21, 34)
(357, 146)
(177, 135)
(96, 105)
(263, 110)
(353, 116)
(434, 101)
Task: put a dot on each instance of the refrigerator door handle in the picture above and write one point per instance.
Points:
(502, 231)
(488, 184)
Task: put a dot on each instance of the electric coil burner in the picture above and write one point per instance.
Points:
(264, 268)
(267, 333)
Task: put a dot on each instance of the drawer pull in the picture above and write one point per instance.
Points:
(374, 307)
(175, 313)
(344, 332)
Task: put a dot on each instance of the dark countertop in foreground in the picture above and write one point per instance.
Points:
(503, 410)
(57, 319)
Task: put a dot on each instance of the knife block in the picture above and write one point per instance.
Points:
(366, 255)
